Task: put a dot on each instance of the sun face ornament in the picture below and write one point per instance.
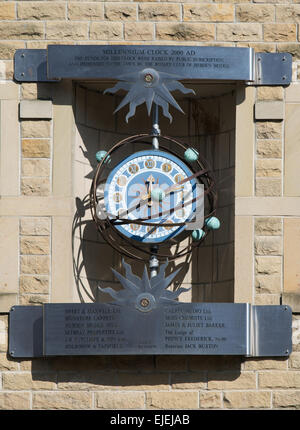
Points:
(151, 87)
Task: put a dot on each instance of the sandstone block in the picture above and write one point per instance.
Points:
(268, 187)
(36, 109)
(211, 400)
(269, 110)
(32, 186)
(247, 399)
(268, 265)
(7, 10)
(183, 381)
(172, 400)
(279, 379)
(292, 48)
(33, 299)
(239, 32)
(269, 148)
(35, 245)
(231, 381)
(208, 12)
(265, 363)
(21, 30)
(269, 130)
(106, 30)
(31, 129)
(38, 167)
(34, 284)
(185, 31)
(289, 399)
(35, 226)
(268, 284)
(8, 48)
(288, 13)
(268, 167)
(17, 401)
(139, 31)
(7, 363)
(280, 32)
(58, 30)
(65, 400)
(269, 93)
(28, 381)
(120, 12)
(159, 12)
(29, 91)
(294, 360)
(142, 382)
(266, 226)
(85, 11)
(255, 13)
(36, 148)
(41, 10)
(35, 264)
(268, 245)
(116, 401)
(267, 299)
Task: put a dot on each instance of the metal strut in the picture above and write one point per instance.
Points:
(155, 127)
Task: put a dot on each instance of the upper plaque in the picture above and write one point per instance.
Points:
(187, 62)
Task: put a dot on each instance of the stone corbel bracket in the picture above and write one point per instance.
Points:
(193, 63)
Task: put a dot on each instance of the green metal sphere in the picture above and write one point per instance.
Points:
(213, 223)
(198, 234)
(191, 154)
(100, 155)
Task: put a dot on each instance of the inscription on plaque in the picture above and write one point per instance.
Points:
(114, 61)
(74, 329)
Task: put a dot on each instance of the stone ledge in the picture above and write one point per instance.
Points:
(269, 110)
(7, 300)
(292, 300)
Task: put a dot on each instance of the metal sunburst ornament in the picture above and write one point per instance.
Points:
(149, 86)
(145, 293)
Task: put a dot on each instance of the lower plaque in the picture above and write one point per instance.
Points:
(106, 329)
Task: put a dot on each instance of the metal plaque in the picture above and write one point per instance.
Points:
(188, 62)
(185, 328)
(31, 65)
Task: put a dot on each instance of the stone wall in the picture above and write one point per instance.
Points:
(37, 205)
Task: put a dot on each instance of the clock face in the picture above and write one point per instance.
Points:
(148, 185)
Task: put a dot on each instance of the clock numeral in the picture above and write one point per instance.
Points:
(117, 197)
(121, 181)
(149, 163)
(133, 168)
(166, 167)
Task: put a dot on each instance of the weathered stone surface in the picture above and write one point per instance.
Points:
(64, 30)
(239, 32)
(7, 10)
(280, 32)
(106, 30)
(34, 284)
(31, 129)
(289, 399)
(267, 299)
(210, 400)
(265, 226)
(268, 284)
(41, 10)
(120, 12)
(159, 12)
(33, 299)
(255, 13)
(268, 187)
(268, 167)
(288, 13)
(35, 264)
(279, 379)
(247, 399)
(28, 381)
(261, 363)
(7, 363)
(184, 381)
(269, 93)
(269, 148)
(35, 226)
(79, 11)
(36, 148)
(172, 400)
(38, 167)
(292, 48)
(208, 12)
(21, 30)
(15, 401)
(116, 401)
(66, 400)
(33, 109)
(35, 245)
(29, 91)
(32, 186)
(269, 129)
(185, 31)
(139, 31)
(268, 245)
(268, 265)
